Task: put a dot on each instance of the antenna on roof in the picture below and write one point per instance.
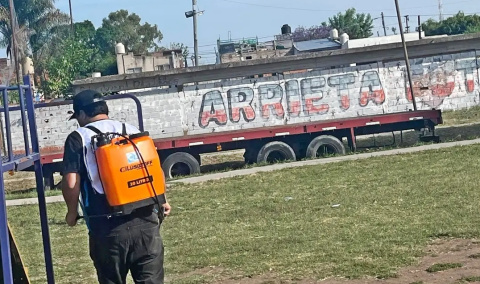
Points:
(440, 9)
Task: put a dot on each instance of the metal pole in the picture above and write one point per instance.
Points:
(4, 236)
(419, 27)
(195, 40)
(32, 126)
(14, 42)
(383, 23)
(407, 27)
(407, 61)
(71, 15)
(440, 10)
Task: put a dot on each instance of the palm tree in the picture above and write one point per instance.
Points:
(36, 22)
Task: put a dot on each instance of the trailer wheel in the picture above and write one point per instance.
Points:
(275, 151)
(325, 145)
(180, 164)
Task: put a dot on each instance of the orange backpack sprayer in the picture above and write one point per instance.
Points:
(130, 171)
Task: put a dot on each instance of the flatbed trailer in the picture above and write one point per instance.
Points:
(181, 155)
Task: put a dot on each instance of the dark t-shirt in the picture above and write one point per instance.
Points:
(95, 204)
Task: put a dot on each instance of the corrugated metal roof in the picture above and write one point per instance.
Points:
(316, 44)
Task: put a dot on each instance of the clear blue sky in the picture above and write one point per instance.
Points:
(250, 18)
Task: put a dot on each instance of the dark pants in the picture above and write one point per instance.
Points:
(136, 247)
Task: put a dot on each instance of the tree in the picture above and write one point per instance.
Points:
(354, 24)
(76, 59)
(86, 32)
(37, 20)
(123, 27)
(473, 29)
(458, 24)
(315, 32)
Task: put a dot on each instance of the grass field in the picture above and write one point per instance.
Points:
(464, 116)
(355, 219)
(225, 161)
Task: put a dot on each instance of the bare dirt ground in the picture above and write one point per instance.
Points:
(457, 251)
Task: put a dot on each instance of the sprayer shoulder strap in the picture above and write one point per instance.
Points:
(94, 129)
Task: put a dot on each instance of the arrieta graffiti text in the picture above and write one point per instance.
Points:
(304, 97)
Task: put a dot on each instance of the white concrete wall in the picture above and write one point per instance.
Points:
(444, 82)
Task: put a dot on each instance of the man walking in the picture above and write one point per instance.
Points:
(118, 244)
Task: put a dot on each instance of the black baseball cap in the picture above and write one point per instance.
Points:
(83, 99)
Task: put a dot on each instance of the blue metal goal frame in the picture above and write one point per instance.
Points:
(20, 162)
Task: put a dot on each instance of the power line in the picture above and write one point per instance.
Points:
(430, 6)
(278, 7)
(233, 39)
(321, 10)
(265, 37)
(433, 15)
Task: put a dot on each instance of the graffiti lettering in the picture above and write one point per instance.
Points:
(240, 102)
(212, 109)
(342, 83)
(372, 89)
(467, 67)
(432, 87)
(303, 97)
(439, 83)
(312, 92)
(271, 97)
(294, 101)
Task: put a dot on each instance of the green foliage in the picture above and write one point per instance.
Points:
(458, 24)
(123, 27)
(471, 279)
(85, 31)
(185, 51)
(356, 25)
(75, 60)
(473, 29)
(93, 49)
(37, 21)
(443, 266)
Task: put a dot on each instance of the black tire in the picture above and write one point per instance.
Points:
(275, 151)
(180, 164)
(331, 144)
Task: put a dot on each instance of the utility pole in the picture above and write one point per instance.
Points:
(407, 27)
(407, 61)
(195, 39)
(71, 15)
(419, 27)
(440, 10)
(14, 42)
(383, 24)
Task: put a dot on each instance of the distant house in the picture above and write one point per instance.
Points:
(251, 49)
(128, 63)
(371, 41)
(7, 71)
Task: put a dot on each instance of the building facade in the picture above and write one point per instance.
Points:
(128, 63)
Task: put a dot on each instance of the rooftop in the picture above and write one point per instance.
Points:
(316, 44)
